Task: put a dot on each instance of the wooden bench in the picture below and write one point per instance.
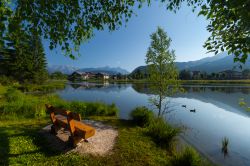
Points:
(71, 121)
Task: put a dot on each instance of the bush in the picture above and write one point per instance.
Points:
(162, 133)
(189, 157)
(142, 116)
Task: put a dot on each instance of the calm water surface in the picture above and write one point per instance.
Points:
(217, 114)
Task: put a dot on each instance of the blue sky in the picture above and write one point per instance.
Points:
(127, 46)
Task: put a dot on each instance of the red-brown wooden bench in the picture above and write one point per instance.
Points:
(71, 121)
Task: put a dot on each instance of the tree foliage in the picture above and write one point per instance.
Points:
(162, 71)
(65, 22)
(228, 23)
(5, 13)
(25, 56)
(185, 75)
(229, 27)
(58, 75)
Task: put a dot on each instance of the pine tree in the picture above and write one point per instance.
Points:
(28, 64)
(39, 60)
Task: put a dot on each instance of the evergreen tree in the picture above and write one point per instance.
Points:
(28, 64)
(39, 60)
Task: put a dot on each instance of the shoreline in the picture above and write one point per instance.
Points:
(183, 142)
(182, 82)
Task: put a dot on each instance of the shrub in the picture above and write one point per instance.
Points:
(162, 133)
(142, 116)
(189, 157)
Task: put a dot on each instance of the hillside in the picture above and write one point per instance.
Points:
(216, 63)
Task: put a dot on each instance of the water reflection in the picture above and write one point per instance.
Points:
(209, 112)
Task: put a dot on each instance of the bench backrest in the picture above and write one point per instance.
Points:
(54, 111)
(78, 130)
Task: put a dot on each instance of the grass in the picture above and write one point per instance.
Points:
(162, 133)
(188, 156)
(23, 116)
(243, 104)
(142, 116)
(16, 104)
(48, 86)
(22, 144)
(224, 148)
(3, 89)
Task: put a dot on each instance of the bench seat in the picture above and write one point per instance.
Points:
(70, 121)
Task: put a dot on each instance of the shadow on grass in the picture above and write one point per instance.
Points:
(4, 147)
(11, 137)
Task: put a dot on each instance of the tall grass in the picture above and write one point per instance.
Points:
(188, 157)
(162, 133)
(16, 104)
(89, 108)
(224, 148)
(46, 87)
(142, 116)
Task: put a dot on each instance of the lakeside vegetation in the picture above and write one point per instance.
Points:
(214, 82)
(23, 116)
(183, 82)
(66, 25)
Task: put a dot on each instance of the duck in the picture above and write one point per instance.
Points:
(193, 110)
(184, 106)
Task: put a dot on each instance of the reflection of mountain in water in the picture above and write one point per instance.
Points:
(221, 96)
(145, 89)
(226, 97)
(105, 87)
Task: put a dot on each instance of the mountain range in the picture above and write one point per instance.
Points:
(106, 69)
(66, 69)
(217, 63)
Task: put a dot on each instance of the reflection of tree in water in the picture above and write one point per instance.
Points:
(142, 88)
(75, 86)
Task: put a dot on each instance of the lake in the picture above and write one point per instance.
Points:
(217, 114)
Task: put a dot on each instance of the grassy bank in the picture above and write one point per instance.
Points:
(23, 116)
(216, 82)
(48, 86)
(21, 144)
(14, 104)
(199, 82)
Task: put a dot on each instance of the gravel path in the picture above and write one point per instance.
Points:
(100, 144)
